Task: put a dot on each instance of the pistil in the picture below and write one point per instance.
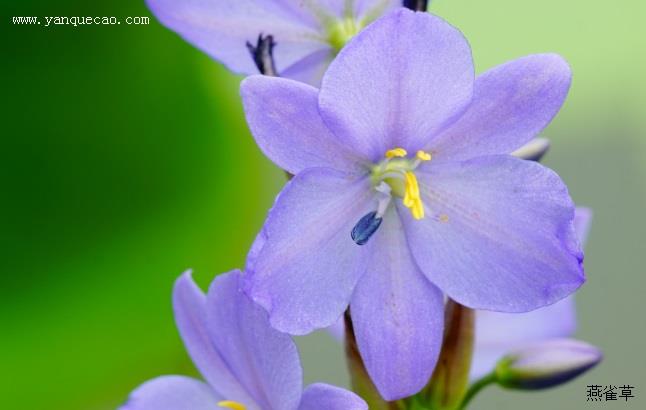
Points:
(396, 171)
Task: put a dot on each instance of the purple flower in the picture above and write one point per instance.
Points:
(308, 33)
(247, 364)
(546, 364)
(497, 334)
(489, 230)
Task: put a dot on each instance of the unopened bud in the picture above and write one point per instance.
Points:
(546, 364)
(534, 150)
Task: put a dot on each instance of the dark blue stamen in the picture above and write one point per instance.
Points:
(365, 228)
(263, 54)
(416, 5)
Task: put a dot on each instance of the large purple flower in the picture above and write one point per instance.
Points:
(489, 230)
(308, 33)
(247, 364)
(498, 334)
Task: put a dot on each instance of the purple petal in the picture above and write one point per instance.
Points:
(310, 68)
(498, 235)
(511, 104)
(221, 28)
(189, 304)
(284, 119)
(264, 360)
(547, 364)
(321, 396)
(397, 83)
(309, 265)
(372, 8)
(499, 333)
(172, 393)
(582, 221)
(398, 316)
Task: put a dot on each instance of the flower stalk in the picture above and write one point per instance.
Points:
(450, 379)
(359, 378)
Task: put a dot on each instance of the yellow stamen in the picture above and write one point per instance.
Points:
(396, 152)
(412, 199)
(232, 405)
(423, 156)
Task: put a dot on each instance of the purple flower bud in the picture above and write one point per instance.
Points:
(546, 364)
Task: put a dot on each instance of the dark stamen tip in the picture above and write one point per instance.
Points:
(416, 5)
(365, 228)
(263, 54)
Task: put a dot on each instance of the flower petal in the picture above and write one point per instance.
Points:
(306, 271)
(222, 28)
(189, 305)
(511, 104)
(310, 68)
(397, 83)
(264, 360)
(172, 393)
(398, 316)
(499, 333)
(582, 221)
(323, 396)
(284, 119)
(498, 235)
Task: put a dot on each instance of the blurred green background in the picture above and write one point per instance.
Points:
(126, 159)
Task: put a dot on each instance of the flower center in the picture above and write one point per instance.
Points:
(232, 405)
(341, 31)
(394, 175)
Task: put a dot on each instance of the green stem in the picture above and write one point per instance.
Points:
(476, 387)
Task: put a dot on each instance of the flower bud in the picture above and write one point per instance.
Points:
(546, 364)
(534, 150)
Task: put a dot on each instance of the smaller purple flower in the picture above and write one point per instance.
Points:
(247, 364)
(546, 364)
(307, 33)
(497, 334)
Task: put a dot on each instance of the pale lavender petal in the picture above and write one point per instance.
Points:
(310, 69)
(548, 363)
(397, 83)
(511, 104)
(337, 329)
(582, 221)
(172, 393)
(398, 316)
(499, 333)
(557, 320)
(222, 28)
(498, 234)
(189, 305)
(284, 119)
(370, 9)
(264, 360)
(320, 396)
(306, 271)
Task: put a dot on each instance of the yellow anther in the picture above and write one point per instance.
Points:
(418, 210)
(396, 152)
(412, 199)
(232, 405)
(423, 156)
